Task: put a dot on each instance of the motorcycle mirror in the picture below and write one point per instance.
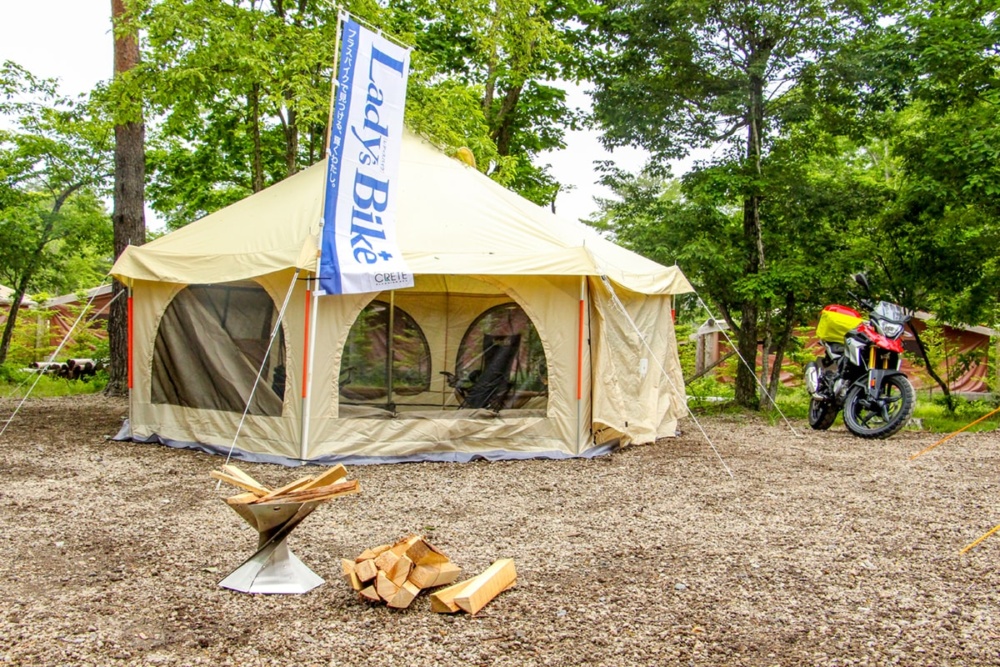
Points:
(862, 280)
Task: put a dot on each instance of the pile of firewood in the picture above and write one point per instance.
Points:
(395, 574)
(311, 488)
(73, 369)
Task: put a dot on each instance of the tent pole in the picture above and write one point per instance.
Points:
(390, 349)
(130, 347)
(312, 307)
(579, 361)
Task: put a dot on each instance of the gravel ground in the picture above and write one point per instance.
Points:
(821, 549)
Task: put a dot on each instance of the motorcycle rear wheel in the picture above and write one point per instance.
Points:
(822, 414)
(883, 416)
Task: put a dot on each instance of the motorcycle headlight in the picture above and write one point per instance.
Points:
(891, 330)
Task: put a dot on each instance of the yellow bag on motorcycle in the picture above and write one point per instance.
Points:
(835, 321)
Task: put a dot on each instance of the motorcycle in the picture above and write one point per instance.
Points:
(859, 372)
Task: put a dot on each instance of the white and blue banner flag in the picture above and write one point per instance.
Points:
(359, 251)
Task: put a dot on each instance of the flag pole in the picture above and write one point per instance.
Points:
(312, 295)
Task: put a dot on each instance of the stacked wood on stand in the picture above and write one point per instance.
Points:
(395, 574)
(311, 488)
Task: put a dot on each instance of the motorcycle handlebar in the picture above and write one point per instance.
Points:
(863, 301)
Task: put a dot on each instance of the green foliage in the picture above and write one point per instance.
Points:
(934, 244)
(946, 360)
(54, 161)
(241, 90)
(497, 57)
(929, 416)
(36, 339)
(676, 76)
(935, 416)
(16, 382)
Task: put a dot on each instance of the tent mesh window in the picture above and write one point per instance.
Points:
(364, 368)
(501, 362)
(210, 345)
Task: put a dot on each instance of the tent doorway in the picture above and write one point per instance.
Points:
(210, 344)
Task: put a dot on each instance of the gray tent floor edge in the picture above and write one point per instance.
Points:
(125, 435)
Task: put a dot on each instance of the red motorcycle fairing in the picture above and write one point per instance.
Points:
(893, 345)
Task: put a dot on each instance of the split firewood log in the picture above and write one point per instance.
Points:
(251, 485)
(432, 576)
(404, 596)
(473, 594)
(351, 574)
(366, 570)
(315, 494)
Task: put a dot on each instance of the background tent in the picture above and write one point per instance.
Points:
(510, 344)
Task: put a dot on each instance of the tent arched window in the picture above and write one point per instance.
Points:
(210, 344)
(501, 362)
(364, 369)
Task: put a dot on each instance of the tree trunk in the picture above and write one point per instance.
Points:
(746, 343)
(257, 159)
(503, 122)
(291, 127)
(8, 328)
(128, 217)
(292, 141)
(746, 378)
(949, 400)
(34, 261)
(767, 400)
(780, 345)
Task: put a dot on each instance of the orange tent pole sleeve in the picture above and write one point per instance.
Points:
(579, 356)
(129, 339)
(305, 347)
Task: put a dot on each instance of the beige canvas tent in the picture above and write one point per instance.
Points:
(525, 335)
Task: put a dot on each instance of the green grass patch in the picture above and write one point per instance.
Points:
(929, 415)
(15, 383)
(933, 416)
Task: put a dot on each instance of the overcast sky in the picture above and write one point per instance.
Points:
(71, 40)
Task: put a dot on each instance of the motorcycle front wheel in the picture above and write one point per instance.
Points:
(822, 414)
(884, 415)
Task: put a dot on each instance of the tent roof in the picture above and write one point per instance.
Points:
(451, 219)
(7, 297)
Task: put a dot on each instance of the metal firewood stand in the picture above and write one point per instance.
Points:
(273, 568)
